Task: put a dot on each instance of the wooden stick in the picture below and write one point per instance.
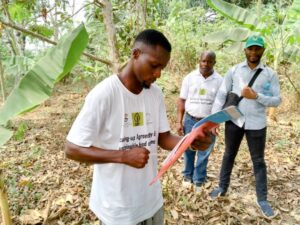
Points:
(47, 210)
(4, 203)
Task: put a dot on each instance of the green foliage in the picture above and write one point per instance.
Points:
(37, 85)
(184, 22)
(185, 27)
(19, 12)
(29, 3)
(277, 25)
(14, 68)
(42, 30)
(93, 71)
(164, 83)
(20, 133)
(16, 65)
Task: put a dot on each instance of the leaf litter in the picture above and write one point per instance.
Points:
(46, 188)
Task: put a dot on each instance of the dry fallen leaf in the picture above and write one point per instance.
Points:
(31, 216)
(174, 214)
(296, 214)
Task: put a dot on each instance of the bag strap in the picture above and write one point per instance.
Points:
(254, 77)
(252, 80)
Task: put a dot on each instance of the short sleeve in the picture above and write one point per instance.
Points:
(184, 91)
(163, 119)
(86, 127)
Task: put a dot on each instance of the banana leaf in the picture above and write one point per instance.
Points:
(5, 135)
(15, 65)
(235, 13)
(235, 34)
(37, 85)
(235, 47)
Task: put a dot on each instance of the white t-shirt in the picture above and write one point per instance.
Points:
(200, 93)
(114, 118)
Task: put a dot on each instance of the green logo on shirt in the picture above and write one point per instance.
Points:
(137, 119)
(202, 91)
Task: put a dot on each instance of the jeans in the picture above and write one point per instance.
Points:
(256, 140)
(196, 172)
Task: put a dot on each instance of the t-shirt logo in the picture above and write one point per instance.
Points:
(137, 119)
(202, 91)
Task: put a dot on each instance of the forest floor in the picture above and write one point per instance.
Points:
(46, 188)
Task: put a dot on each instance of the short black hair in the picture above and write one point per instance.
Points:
(153, 37)
(209, 53)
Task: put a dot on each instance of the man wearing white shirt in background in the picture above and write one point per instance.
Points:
(265, 92)
(198, 92)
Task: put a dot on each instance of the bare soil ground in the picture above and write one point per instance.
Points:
(46, 188)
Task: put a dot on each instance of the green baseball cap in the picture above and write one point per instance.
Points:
(255, 40)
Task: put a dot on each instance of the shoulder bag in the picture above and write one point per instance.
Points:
(233, 98)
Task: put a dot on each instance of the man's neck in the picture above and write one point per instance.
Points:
(129, 81)
(206, 75)
(252, 65)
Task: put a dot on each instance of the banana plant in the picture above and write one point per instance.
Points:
(281, 34)
(37, 84)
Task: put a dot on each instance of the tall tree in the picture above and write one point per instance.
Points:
(141, 10)
(111, 31)
(10, 33)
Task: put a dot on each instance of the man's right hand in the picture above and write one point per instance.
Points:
(136, 157)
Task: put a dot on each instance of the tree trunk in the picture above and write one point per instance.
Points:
(54, 22)
(11, 36)
(2, 83)
(111, 30)
(73, 7)
(141, 9)
(4, 203)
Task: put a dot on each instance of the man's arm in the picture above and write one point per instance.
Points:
(180, 113)
(269, 101)
(275, 99)
(136, 157)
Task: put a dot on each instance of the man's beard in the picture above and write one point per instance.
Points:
(256, 60)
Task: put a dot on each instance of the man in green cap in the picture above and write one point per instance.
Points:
(265, 92)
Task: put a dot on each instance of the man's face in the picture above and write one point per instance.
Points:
(149, 61)
(254, 53)
(206, 64)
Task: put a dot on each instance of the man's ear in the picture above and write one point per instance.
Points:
(136, 53)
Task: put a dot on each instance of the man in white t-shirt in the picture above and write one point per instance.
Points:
(198, 92)
(119, 128)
